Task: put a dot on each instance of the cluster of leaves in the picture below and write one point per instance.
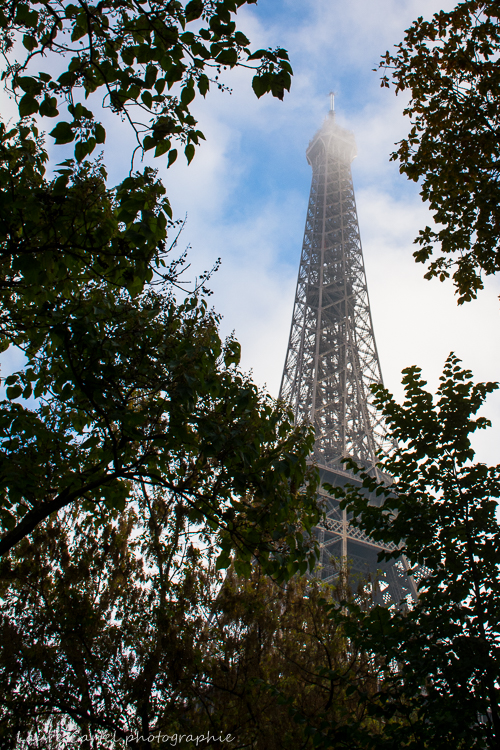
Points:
(121, 627)
(129, 385)
(142, 57)
(450, 65)
(145, 391)
(123, 385)
(441, 654)
(58, 236)
(129, 439)
(102, 617)
(278, 668)
(119, 622)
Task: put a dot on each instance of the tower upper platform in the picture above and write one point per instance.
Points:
(332, 138)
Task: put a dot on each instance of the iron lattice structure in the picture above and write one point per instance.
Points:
(332, 357)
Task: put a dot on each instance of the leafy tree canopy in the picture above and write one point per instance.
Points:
(61, 236)
(124, 386)
(450, 67)
(145, 61)
(441, 654)
(128, 387)
(123, 628)
(144, 391)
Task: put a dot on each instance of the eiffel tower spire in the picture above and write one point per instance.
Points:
(332, 357)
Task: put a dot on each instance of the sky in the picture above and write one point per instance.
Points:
(246, 195)
(246, 192)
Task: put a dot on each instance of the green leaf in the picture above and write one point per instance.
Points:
(193, 10)
(63, 133)
(223, 561)
(30, 85)
(260, 84)
(28, 106)
(48, 107)
(172, 156)
(78, 32)
(29, 42)
(28, 391)
(82, 149)
(189, 152)
(162, 148)
(80, 112)
(258, 55)
(100, 133)
(187, 94)
(282, 54)
(242, 568)
(25, 16)
(14, 391)
(203, 84)
(147, 99)
(232, 353)
(66, 392)
(151, 74)
(227, 57)
(241, 39)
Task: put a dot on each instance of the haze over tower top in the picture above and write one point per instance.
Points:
(332, 104)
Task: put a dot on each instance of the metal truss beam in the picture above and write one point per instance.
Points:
(332, 357)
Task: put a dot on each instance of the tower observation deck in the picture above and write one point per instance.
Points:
(332, 358)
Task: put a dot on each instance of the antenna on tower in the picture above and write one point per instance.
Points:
(331, 113)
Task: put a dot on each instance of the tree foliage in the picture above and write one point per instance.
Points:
(124, 386)
(442, 653)
(71, 233)
(138, 391)
(130, 388)
(145, 61)
(122, 628)
(450, 67)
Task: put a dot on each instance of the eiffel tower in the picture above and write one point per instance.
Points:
(332, 360)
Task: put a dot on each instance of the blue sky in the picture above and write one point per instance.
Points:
(246, 196)
(247, 189)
